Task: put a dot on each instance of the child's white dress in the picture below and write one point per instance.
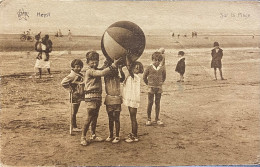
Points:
(131, 91)
(41, 63)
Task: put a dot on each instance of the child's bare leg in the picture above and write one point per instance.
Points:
(117, 122)
(49, 71)
(75, 108)
(40, 72)
(87, 123)
(221, 76)
(215, 73)
(181, 77)
(150, 105)
(133, 112)
(111, 123)
(157, 105)
(94, 120)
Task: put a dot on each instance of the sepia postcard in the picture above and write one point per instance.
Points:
(129, 83)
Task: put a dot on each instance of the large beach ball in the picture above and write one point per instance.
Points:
(123, 39)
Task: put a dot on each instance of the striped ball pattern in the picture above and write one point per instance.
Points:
(121, 38)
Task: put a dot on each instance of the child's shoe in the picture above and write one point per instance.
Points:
(148, 123)
(95, 138)
(116, 140)
(51, 76)
(109, 139)
(83, 141)
(76, 130)
(131, 138)
(159, 122)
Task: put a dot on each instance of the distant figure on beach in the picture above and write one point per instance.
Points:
(217, 54)
(70, 35)
(173, 34)
(180, 67)
(28, 32)
(253, 36)
(194, 34)
(178, 36)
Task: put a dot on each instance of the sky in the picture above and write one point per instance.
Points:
(154, 17)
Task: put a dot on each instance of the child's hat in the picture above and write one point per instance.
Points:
(162, 50)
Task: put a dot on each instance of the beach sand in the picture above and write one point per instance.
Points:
(206, 122)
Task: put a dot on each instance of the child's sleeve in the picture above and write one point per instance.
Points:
(145, 76)
(66, 81)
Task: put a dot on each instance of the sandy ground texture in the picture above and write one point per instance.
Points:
(206, 122)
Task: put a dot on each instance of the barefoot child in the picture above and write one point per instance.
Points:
(73, 81)
(113, 102)
(131, 97)
(180, 67)
(217, 55)
(154, 76)
(93, 92)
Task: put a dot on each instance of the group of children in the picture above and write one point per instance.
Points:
(113, 76)
(88, 88)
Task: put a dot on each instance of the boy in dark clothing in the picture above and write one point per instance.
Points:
(180, 67)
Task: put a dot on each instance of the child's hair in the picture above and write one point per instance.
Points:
(181, 53)
(141, 67)
(92, 55)
(157, 55)
(76, 62)
(215, 44)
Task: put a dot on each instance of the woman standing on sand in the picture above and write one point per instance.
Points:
(44, 48)
(217, 55)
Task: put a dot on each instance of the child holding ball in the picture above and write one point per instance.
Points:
(113, 101)
(131, 97)
(93, 94)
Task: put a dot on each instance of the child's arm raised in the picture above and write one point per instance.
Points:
(122, 74)
(100, 73)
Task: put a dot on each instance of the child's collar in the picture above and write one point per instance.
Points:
(158, 68)
(75, 72)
